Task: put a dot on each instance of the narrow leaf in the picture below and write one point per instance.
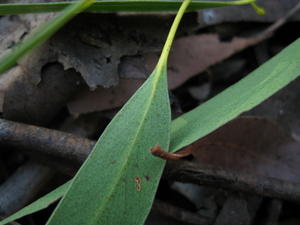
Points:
(240, 97)
(118, 181)
(115, 6)
(42, 34)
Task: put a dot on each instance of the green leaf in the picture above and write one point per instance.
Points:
(115, 6)
(240, 97)
(42, 34)
(118, 181)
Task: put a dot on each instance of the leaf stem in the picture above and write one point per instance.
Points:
(168, 44)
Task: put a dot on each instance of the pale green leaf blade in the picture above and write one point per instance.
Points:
(43, 33)
(117, 5)
(39, 204)
(135, 176)
(127, 162)
(240, 97)
(118, 181)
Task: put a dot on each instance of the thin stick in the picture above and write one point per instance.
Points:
(190, 172)
(267, 33)
(45, 140)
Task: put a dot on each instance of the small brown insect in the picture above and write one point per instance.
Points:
(159, 152)
(138, 183)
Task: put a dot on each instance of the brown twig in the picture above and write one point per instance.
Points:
(23, 186)
(74, 149)
(267, 33)
(185, 171)
(271, 29)
(45, 142)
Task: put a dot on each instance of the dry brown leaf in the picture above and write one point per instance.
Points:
(193, 54)
(104, 98)
(253, 145)
(190, 56)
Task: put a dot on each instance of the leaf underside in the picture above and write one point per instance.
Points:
(124, 192)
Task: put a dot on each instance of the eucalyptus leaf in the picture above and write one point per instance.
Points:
(240, 97)
(117, 5)
(43, 33)
(118, 181)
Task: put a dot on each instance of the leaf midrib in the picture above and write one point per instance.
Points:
(123, 168)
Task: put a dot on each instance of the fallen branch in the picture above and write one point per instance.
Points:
(190, 172)
(74, 149)
(45, 142)
(24, 185)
